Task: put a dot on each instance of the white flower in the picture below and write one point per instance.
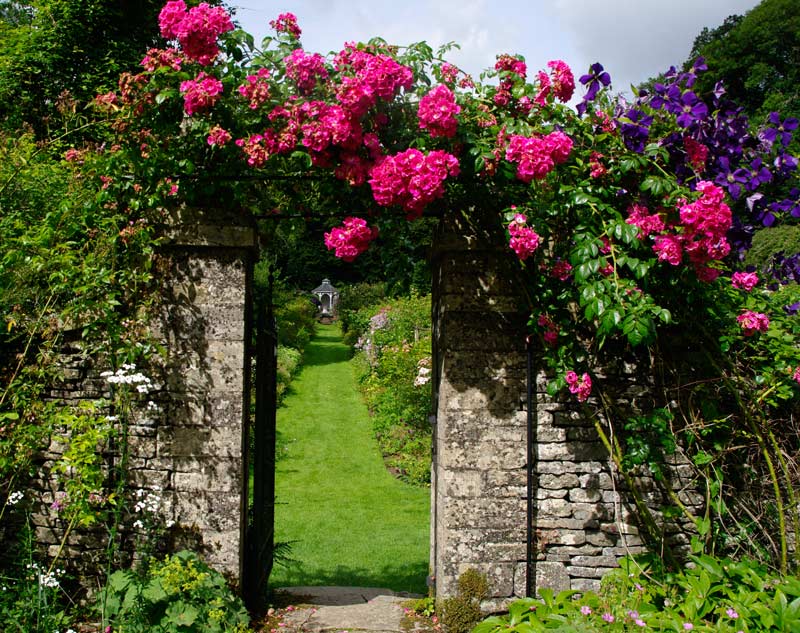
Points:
(138, 524)
(15, 497)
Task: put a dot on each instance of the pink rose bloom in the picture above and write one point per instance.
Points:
(437, 112)
(412, 179)
(304, 69)
(559, 145)
(561, 270)
(647, 224)
(197, 29)
(351, 239)
(544, 88)
(752, 322)
(562, 80)
(668, 249)
(218, 136)
(286, 23)
(256, 90)
(524, 240)
(581, 387)
(744, 281)
(201, 93)
(171, 17)
(796, 375)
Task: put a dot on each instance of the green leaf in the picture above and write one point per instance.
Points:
(181, 613)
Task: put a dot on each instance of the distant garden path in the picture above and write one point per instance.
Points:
(352, 522)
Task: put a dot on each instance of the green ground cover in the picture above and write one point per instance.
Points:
(352, 523)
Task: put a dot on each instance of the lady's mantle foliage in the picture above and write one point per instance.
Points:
(640, 209)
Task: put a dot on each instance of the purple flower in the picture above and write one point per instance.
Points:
(594, 80)
(635, 129)
(792, 308)
(692, 109)
(732, 180)
(607, 617)
(782, 130)
(759, 174)
(586, 610)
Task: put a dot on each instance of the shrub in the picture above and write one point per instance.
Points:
(712, 594)
(394, 378)
(181, 593)
(352, 300)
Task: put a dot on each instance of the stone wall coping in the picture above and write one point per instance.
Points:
(209, 227)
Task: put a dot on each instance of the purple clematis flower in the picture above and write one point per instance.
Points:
(692, 109)
(635, 130)
(780, 130)
(732, 180)
(594, 80)
(759, 174)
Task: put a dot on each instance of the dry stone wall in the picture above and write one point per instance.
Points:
(188, 447)
(582, 515)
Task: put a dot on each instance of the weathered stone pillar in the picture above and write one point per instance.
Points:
(200, 439)
(583, 517)
(479, 472)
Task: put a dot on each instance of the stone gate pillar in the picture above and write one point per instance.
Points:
(200, 440)
(479, 471)
(583, 517)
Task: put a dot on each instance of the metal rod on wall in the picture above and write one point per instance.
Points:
(530, 569)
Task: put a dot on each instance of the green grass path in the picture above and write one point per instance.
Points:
(352, 522)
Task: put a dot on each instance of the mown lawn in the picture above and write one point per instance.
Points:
(350, 521)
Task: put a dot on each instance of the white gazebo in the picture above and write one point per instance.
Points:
(328, 297)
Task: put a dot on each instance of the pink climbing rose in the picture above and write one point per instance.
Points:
(218, 136)
(796, 375)
(561, 79)
(351, 239)
(256, 90)
(437, 112)
(581, 387)
(201, 93)
(752, 322)
(524, 240)
(744, 281)
(197, 29)
(550, 329)
(536, 156)
(286, 23)
(305, 69)
(412, 180)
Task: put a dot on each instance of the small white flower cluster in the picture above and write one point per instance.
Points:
(15, 497)
(423, 372)
(45, 578)
(148, 505)
(127, 375)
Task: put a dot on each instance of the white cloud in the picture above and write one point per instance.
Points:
(634, 39)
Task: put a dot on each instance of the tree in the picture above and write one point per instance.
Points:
(53, 52)
(757, 57)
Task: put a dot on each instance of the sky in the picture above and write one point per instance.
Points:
(633, 39)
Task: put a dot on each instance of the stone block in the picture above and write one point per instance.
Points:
(216, 474)
(552, 575)
(576, 571)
